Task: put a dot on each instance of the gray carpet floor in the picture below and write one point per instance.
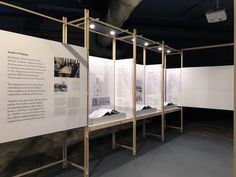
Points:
(188, 155)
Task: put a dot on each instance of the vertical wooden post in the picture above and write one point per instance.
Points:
(144, 87)
(182, 116)
(134, 91)
(163, 93)
(164, 89)
(64, 148)
(114, 60)
(86, 129)
(234, 161)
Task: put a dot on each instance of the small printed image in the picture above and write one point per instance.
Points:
(107, 101)
(139, 91)
(95, 102)
(60, 87)
(101, 101)
(104, 101)
(65, 67)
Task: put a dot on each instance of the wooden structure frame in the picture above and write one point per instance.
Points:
(162, 49)
(64, 161)
(83, 23)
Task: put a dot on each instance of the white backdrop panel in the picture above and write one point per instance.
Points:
(140, 84)
(123, 85)
(153, 86)
(173, 85)
(43, 86)
(102, 82)
(208, 87)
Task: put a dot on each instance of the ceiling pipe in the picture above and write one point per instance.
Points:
(118, 12)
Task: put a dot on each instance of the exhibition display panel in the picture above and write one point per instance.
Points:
(59, 76)
(44, 87)
(110, 90)
(208, 87)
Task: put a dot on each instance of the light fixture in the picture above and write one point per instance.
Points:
(92, 26)
(160, 48)
(132, 39)
(146, 44)
(112, 33)
(168, 51)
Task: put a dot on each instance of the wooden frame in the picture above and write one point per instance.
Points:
(163, 111)
(113, 124)
(234, 124)
(85, 20)
(178, 108)
(64, 160)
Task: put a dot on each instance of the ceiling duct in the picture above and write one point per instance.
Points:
(118, 12)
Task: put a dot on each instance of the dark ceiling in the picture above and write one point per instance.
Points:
(181, 23)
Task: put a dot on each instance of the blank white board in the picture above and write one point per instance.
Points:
(208, 87)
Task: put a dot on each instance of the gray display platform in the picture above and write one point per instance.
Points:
(107, 118)
(146, 111)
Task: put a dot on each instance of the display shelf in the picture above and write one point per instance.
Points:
(110, 124)
(171, 109)
(150, 115)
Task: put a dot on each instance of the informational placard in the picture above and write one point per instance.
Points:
(102, 83)
(153, 86)
(123, 85)
(208, 87)
(173, 86)
(43, 87)
(140, 84)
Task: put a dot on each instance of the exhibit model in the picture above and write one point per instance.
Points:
(39, 90)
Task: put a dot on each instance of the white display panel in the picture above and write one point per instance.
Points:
(153, 86)
(208, 87)
(173, 86)
(43, 87)
(101, 83)
(140, 84)
(123, 85)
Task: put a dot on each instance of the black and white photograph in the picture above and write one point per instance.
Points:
(60, 87)
(139, 91)
(65, 67)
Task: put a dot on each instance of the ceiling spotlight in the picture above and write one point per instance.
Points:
(112, 33)
(132, 39)
(92, 26)
(168, 51)
(146, 44)
(160, 48)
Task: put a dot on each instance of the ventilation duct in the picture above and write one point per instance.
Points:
(118, 12)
